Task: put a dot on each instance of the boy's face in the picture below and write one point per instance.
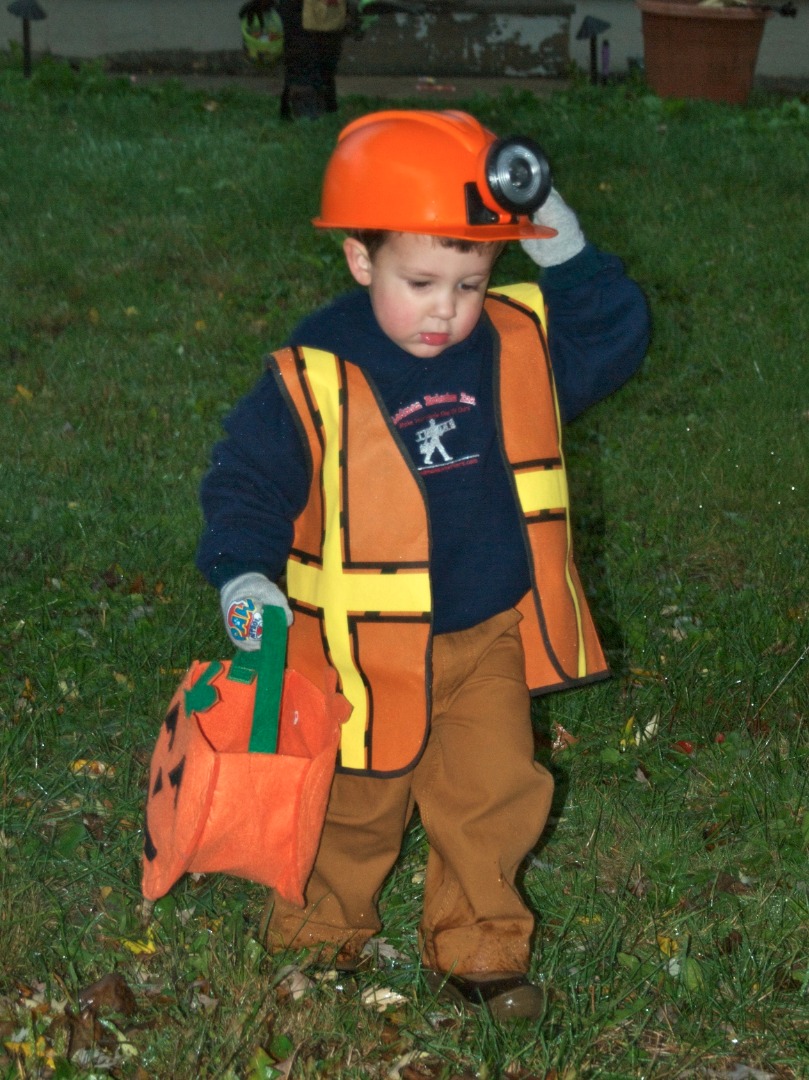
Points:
(426, 297)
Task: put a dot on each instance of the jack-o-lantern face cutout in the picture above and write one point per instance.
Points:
(179, 779)
(175, 777)
(215, 806)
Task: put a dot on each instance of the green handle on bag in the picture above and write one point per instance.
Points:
(266, 665)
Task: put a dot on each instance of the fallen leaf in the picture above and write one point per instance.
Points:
(29, 1050)
(381, 998)
(85, 1032)
(649, 731)
(94, 1060)
(137, 586)
(390, 1034)
(96, 826)
(110, 993)
(395, 1071)
(642, 673)
(293, 983)
(712, 835)
(93, 769)
(642, 776)
(382, 951)
(283, 1069)
(143, 946)
(627, 736)
(668, 946)
(727, 883)
(746, 1072)
(34, 998)
(204, 1003)
(684, 746)
(562, 739)
(260, 1066)
(731, 944)
(639, 885)
(24, 392)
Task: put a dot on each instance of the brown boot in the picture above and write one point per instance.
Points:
(507, 995)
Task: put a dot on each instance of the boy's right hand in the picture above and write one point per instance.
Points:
(242, 601)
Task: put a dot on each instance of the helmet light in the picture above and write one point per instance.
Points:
(518, 177)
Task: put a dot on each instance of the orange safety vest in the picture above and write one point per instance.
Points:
(358, 574)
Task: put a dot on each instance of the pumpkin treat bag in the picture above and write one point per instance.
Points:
(241, 771)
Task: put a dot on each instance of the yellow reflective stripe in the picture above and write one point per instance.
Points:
(334, 589)
(581, 652)
(359, 591)
(581, 667)
(542, 489)
(528, 293)
(323, 371)
(582, 664)
(546, 489)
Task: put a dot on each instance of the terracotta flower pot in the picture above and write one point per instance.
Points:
(692, 51)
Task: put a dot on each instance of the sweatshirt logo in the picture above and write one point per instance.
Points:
(437, 430)
(429, 440)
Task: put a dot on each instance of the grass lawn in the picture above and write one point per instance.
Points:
(155, 243)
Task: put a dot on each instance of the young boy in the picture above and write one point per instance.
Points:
(400, 463)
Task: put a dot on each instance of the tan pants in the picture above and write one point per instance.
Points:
(483, 801)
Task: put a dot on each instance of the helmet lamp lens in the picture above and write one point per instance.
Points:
(518, 175)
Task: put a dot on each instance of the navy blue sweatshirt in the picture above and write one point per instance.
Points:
(443, 410)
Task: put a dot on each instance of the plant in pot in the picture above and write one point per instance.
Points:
(704, 48)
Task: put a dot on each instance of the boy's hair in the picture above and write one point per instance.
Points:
(374, 239)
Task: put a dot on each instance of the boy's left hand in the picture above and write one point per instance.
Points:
(569, 239)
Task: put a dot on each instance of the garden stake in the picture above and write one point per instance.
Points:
(27, 10)
(589, 31)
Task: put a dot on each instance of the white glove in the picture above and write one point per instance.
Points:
(242, 600)
(569, 239)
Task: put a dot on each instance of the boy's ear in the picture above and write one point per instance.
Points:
(358, 259)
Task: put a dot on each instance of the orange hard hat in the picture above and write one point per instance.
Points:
(435, 173)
